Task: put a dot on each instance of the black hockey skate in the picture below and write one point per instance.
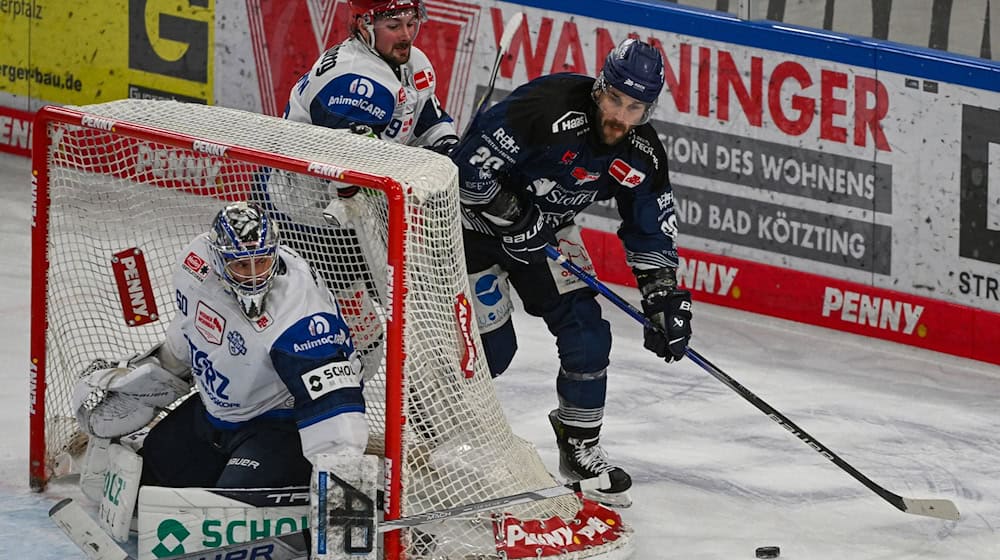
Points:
(584, 457)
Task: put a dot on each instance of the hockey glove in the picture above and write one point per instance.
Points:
(444, 145)
(362, 130)
(669, 309)
(347, 191)
(526, 239)
(115, 399)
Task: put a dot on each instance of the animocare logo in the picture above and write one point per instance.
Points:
(171, 534)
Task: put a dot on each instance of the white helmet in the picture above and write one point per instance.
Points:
(245, 245)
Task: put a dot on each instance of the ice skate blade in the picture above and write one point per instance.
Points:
(617, 500)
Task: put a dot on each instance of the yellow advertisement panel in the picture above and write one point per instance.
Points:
(79, 52)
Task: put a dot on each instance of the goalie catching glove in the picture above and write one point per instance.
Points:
(667, 307)
(116, 399)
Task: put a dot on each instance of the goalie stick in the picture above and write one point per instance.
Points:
(84, 531)
(941, 509)
(506, 37)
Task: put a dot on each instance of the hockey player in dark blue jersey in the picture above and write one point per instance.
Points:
(527, 167)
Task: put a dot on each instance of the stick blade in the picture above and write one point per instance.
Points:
(85, 533)
(509, 28)
(941, 509)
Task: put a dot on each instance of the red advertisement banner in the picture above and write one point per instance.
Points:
(818, 300)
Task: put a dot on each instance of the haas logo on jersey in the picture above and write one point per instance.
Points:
(569, 121)
(626, 174)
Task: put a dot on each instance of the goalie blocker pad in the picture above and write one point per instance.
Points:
(343, 513)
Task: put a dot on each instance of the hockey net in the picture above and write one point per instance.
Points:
(140, 179)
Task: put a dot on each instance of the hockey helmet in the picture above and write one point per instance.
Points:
(244, 243)
(635, 69)
(370, 10)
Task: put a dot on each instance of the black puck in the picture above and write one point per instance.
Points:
(768, 552)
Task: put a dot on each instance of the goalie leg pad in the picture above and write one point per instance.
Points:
(175, 521)
(343, 502)
(95, 467)
(121, 488)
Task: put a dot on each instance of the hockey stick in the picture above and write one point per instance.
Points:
(942, 509)
(601, 482)
(84, 531)
(506, 37)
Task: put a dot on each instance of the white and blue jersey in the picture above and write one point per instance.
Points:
(297, 360)
(350, 84)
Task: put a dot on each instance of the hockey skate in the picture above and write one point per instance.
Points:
(584, 457)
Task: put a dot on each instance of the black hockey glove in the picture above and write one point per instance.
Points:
(667, 307)
(444, 145)
(526, 239)
(362, 130)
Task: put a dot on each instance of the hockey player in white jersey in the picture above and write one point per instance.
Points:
(377, 80)
(277, 374)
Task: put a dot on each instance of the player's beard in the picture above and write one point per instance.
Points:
(399, 54)
(612, 131)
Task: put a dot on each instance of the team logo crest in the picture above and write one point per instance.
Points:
(237, 344)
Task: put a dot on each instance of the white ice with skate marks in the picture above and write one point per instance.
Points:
(713, 477)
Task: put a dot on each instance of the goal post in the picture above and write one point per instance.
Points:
(120, 188)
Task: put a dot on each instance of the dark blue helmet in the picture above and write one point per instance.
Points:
(635, 69)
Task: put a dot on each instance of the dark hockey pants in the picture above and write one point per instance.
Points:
(186, 450)
(583, 337)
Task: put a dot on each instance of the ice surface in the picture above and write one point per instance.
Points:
(714, 477)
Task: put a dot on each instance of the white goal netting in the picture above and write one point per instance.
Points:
(129, 177)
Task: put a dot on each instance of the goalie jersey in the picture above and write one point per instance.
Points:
(350, 84)
(297, 360)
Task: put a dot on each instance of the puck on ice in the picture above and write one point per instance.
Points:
(768, 552)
